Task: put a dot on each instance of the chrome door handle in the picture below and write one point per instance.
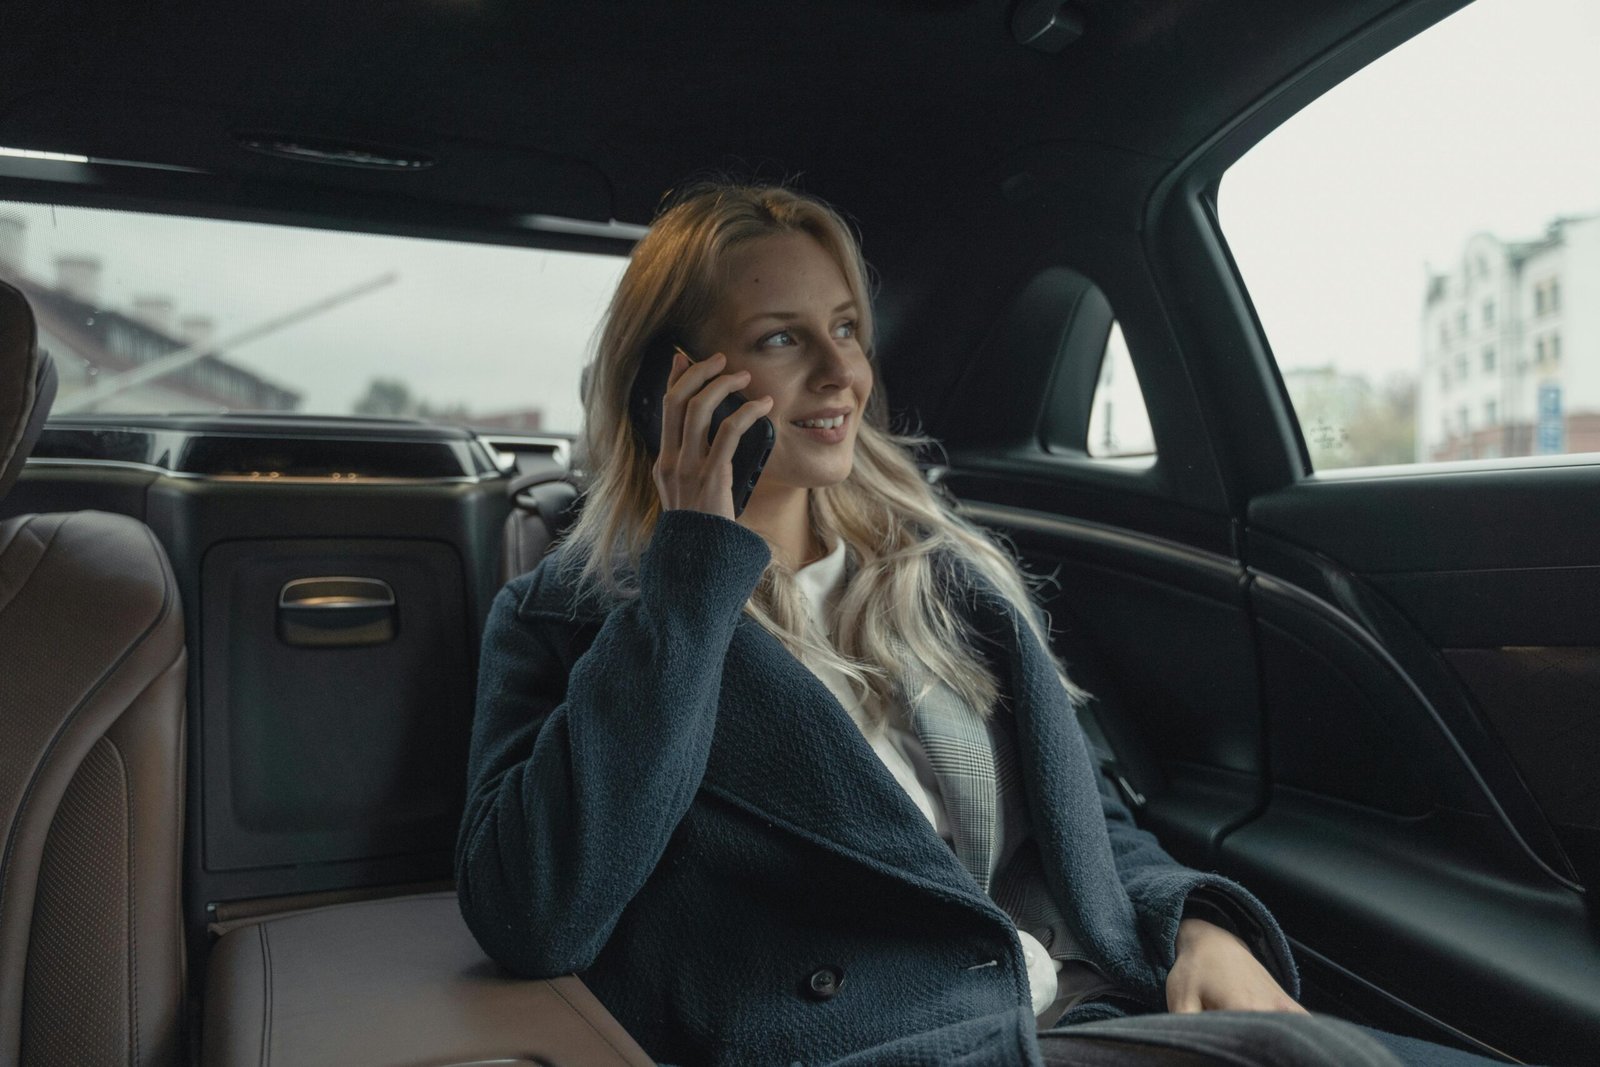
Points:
(337, 612)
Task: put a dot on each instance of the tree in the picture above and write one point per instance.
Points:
(388, 397)
(1385, 431)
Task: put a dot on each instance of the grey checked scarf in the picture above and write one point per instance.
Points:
(980, 781)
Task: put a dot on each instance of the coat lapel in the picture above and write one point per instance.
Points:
(786, 751)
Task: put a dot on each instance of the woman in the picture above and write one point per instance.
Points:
(805, 783)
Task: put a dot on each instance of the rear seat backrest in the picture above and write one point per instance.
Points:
(92, 678)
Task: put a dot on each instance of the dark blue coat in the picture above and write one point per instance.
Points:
(664, 801)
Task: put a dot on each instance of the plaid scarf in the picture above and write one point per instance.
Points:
(980, 781)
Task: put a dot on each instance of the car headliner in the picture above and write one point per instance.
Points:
(591, 109)
(925, 120)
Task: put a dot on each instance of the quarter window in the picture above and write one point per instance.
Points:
(1118, 422)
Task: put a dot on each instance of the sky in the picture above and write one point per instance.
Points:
(1486, 122)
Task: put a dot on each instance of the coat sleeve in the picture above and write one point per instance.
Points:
(576, 780)
(1164, 892)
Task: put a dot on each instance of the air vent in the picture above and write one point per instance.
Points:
(102, 445)
(313, 457)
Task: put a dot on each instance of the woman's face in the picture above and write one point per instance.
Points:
(788, 318)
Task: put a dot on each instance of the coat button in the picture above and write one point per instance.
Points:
(824, 983)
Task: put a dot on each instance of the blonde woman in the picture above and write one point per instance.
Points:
(804, 784)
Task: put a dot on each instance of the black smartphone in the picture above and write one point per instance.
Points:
(644, 407)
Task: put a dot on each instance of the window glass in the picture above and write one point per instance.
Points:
(313, 321)
(1422, 244)
(1118, 422)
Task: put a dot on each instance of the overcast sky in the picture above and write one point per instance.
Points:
(1485, 122)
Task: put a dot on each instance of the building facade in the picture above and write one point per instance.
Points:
(1511, 348)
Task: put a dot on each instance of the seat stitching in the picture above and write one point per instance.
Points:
(266, 996)
(180, 763)
(133, 929)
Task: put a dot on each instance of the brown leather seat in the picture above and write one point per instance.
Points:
(92, 677)
(386, 982)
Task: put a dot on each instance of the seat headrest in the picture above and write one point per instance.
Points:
(27, 385)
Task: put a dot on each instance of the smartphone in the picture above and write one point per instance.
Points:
(644, 408)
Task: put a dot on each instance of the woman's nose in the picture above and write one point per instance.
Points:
(835, 364)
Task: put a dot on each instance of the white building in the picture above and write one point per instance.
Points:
(1511, 348)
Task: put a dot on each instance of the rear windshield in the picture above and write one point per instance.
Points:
(157, 314)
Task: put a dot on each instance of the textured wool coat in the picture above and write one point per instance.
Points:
(664, 801)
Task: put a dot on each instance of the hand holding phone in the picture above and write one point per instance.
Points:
(711, 443)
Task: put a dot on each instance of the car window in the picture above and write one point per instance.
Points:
(1422, 244)
(158, 314)
(1118, 423)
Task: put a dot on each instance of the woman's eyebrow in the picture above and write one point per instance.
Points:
(787, 316)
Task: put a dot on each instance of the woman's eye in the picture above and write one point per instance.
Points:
(781, 339)
(845, 329)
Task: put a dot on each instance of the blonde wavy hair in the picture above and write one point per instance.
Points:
(898, 608)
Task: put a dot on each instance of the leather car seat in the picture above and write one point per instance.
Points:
(92, 677)
(543, 505)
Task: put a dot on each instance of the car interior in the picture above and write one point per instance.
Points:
(238, 648)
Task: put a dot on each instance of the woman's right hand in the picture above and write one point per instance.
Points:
(690, 474)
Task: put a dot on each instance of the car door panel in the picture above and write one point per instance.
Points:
(1157, 631)
(1473, 587)
(1398, 915)
(1322, 776)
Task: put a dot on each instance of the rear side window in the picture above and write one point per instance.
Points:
(159, 314)
(1422, 244)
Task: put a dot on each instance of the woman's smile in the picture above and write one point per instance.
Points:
(830, 428)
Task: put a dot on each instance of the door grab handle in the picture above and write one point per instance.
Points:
(337, 612)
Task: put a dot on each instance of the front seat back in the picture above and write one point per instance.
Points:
(92, 676)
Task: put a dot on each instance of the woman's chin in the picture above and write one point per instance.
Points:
(827, 478)
(810, 477)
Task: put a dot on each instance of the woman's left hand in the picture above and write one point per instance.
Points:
(1215, 971)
